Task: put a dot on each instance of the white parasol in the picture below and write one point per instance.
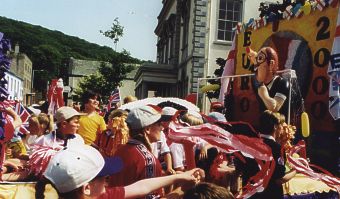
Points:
(179, 104)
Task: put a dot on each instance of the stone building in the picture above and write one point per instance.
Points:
(191, 35)
(21, 67)
(14, 86)
(80, 68)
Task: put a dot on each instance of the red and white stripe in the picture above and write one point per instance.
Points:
(287, 14)
(292, 48)
(320, 4)
(302, 166)
(40, 158)
(252, 147)
(229, 69)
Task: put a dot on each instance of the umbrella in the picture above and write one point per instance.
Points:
(177, 103)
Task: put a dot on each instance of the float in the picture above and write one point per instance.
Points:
(306, 36)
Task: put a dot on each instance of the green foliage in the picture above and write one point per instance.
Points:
(104, 82)
(109, 77)
(115, 32)
(48, 49)
(92, 82)
(218, 73)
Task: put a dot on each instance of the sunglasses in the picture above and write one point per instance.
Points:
(261, 58)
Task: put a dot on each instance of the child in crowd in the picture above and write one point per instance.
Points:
(39, 125)
(117, 133)
(7, 131)
(139, 163)
(269, 122)
(91, 124)
(208, 191)
(129, 99)
(183, 153)
(46, 146)
(160, 148)
(80, 173)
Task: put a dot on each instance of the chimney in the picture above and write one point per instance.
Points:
(16, 49)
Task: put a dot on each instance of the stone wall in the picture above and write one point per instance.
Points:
(199, 36)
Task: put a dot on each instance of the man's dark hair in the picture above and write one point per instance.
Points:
(268, 121)
(86, 96)
(208, 191)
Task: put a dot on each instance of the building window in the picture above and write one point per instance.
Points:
(185, 13)
(230, 12)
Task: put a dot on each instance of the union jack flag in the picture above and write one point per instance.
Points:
(114, 98)
(21, 111)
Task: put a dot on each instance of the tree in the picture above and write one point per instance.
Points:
(115, 32)
(94, 82)
(46, 58)
(109, 76)
(218, 73)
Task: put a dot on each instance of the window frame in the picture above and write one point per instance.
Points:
(225, 20)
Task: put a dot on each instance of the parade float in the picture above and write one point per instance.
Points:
(305, 35)
(306, 39)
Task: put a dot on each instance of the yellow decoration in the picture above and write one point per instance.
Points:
(305, 124)
(307, 8)
(210, 87)
(295, 155)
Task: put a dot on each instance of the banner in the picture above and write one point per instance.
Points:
(304, 44)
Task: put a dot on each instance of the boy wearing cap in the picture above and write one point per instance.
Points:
(139, 162)
(65, 135)
(67, 120)
(161, 148)
(80, 173)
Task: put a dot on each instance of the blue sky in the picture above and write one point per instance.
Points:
(84, 19)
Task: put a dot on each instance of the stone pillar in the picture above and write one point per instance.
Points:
(200, 31)
(144, 90)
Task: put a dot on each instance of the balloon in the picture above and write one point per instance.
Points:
(210, 87)
(306, 8)
(305, 124)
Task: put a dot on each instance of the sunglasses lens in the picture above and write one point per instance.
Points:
(261, 57)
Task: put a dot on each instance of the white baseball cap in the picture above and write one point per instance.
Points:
(143, 116)
(65, 113)
(35, 111)
(168, 113)
(217, 116)
(73, 167)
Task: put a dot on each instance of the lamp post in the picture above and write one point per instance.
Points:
(33, 71)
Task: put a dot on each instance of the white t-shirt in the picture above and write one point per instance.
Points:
(160, 147)
(178, 155)
(56, 143)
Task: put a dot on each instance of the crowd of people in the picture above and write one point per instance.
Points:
(128, 154)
